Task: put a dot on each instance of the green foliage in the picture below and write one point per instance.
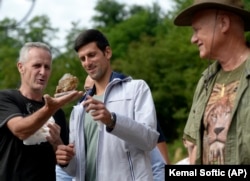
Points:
(109, 13)
(8, 54)
(145, 44)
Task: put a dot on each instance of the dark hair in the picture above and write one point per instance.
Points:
(89, 36)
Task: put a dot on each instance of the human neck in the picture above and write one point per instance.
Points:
(233, 62)
(101, 86)
(31, 94)
(102, 82)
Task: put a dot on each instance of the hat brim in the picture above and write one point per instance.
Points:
(186, 16)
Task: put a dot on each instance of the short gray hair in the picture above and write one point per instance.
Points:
(23, 53)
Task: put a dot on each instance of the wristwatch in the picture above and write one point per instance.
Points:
(113, 121)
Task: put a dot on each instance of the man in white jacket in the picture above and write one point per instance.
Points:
(113, 128)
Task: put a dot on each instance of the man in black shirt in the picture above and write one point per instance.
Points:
(31, 124)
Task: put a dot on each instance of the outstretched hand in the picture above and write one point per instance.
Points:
(55, 103)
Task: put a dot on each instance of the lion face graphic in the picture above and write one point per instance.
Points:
(217, 120)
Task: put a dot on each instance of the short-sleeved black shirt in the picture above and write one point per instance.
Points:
(162, 136)
(19, 162)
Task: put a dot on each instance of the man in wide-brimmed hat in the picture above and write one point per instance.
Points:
(218, 126)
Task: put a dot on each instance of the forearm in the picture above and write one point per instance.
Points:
(192, 149)
(23, 127)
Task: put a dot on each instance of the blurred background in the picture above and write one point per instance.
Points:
(146, 45)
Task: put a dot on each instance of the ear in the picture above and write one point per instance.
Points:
(108, 53)
(20, 67)
(224, 21)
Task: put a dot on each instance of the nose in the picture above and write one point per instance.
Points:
(194, 38)
(87, 62)
(42, 70)
(218, 130)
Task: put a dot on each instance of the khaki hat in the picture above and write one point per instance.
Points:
(234, 6)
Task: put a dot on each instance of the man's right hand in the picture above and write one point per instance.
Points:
(54, 104)
(64, 154)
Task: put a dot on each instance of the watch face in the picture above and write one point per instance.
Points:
(113, 121)
(112, 116)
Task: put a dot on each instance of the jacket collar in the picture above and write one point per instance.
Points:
(91, 92)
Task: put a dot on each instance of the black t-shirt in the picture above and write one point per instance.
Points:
(19, 162)
(161, 136)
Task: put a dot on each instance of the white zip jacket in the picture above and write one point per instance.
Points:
(123, 153)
